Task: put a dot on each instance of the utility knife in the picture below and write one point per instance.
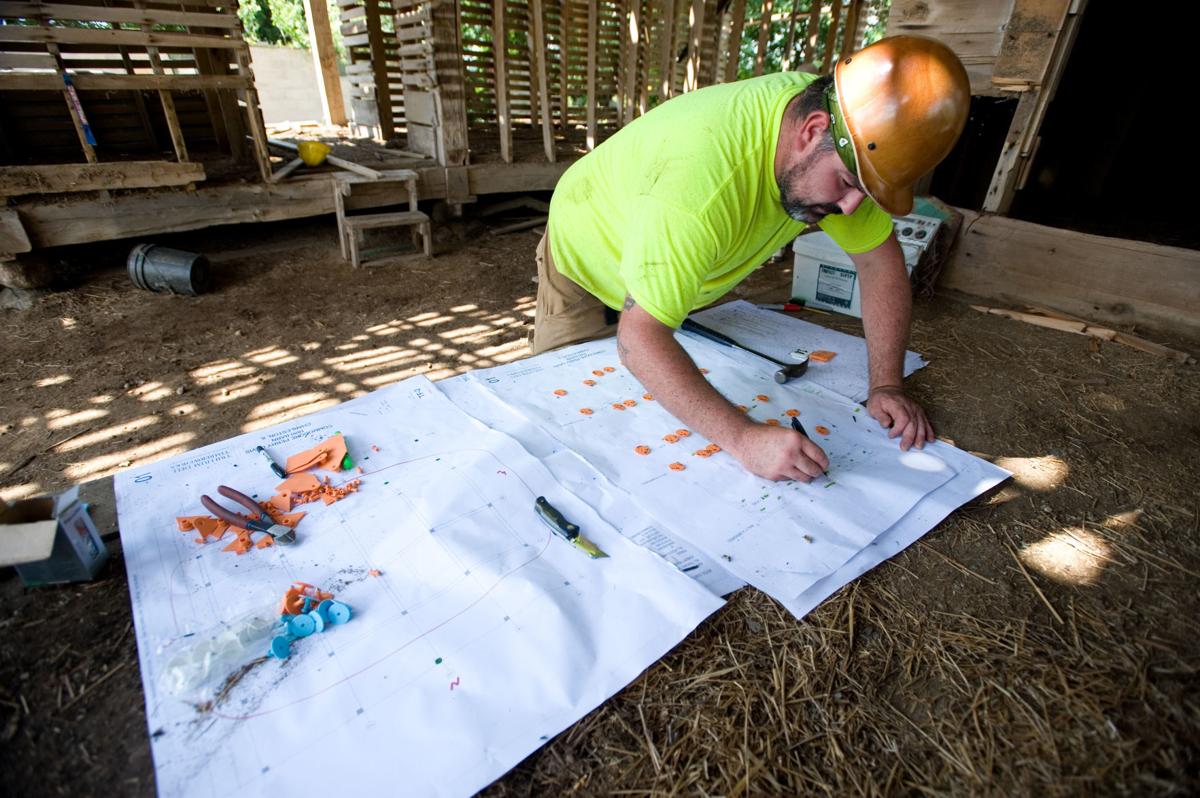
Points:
(565, 529)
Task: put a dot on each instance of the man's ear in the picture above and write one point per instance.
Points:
(811, 131)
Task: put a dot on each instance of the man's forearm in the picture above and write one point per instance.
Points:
(668, 373)
(887, 312)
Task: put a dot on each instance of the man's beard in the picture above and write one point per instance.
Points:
(796, 207)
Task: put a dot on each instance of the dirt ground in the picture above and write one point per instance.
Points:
(1042, 640)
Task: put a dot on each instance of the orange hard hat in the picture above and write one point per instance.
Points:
(903, 102)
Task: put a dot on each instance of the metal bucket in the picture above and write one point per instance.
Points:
(168, 270)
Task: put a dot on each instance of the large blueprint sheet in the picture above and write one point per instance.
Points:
(482, 636)
(785, 538)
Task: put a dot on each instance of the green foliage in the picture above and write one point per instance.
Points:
(875, 13)
(282, 22)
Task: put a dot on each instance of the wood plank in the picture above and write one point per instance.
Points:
(61, 178)
(538, 45)
(695, 36)
(592, 34)
(329, 85)
(764, 32)
(451, 83)
(835, 15)
(500, 71)
(738, 22)
(632, 42)
(1109, 279)
(85, 82)
(30, 33)
(789, 43)
(178, 143)
(813, 32)
(57, 223)
(1021, 141)
(666, 54)
(136, 16)
(13, 238)
(383, 95)
(1030, 39)
(850, 35)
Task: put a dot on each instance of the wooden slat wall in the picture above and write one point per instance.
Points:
(973, 30)
(140, 71)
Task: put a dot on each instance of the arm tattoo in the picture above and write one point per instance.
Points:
(629, 303)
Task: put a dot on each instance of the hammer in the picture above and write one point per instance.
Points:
(785, 372)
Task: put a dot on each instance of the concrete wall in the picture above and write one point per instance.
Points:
(287, 84)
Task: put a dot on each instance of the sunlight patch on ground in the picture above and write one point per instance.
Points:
(1040, 474)
(46, 382)
(221, 370)
(107, 434)
(1072, 555)
(141, 454)
(72, 419)
(278, 412)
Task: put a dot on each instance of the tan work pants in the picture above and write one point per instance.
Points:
(566, 314)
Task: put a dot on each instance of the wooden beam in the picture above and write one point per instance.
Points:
(500, 71)
(383, 95)
(57, 223)
(168, 102)
(592, 23)
(451, 89)
(1111, 280)
(61, 178)
(789, 44)
(31, 33)
(87, 140)
(666, 62)
(1016, 156)
(564, 32)
(695, 36)
(249, 98)
(538, 43)
(764, 35)
(732, 61)
(136, 16)
(850, 36)
(13, 238)
(320, 39)
(632, 40)
(812, 32)
(835, 15)
(15, 81)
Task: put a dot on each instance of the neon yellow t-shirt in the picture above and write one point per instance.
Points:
(682, 204)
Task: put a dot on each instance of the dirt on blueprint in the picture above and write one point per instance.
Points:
(1042, 640)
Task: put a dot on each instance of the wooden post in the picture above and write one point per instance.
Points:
(735, 41)
(632, 39)
(168, 102)
(667, 53)
(383, 92)
(500, 53)
(320, 39)
(764, 35)
(850, 37)
(812, 32)
(538, 36)
(789, 46)
(592, 23)
(1036, 54)
(696, 35)
(564, 28)
(451, 91)
(831, 38)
